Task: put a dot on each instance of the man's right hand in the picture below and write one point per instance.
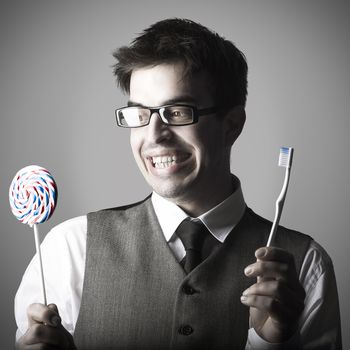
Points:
(45, 330)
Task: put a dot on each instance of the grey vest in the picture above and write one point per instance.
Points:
(137, 296)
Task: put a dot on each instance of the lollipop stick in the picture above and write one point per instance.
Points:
(38, 251)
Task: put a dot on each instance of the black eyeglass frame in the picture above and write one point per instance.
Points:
(159, 110)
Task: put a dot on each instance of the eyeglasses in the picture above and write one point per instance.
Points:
(177, 115)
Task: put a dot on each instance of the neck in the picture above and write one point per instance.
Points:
(199, 202)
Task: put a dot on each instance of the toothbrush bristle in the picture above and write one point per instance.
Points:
(286, 156)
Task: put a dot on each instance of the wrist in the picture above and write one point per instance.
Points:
(256, 342)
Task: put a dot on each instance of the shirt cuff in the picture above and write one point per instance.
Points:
(255, 342)
(18, 334)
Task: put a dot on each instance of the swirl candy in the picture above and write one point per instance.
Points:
(33, 195)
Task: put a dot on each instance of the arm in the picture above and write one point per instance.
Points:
(276, 300)
(319, 322)
(320, 326)
(45, 330)
(63, 252)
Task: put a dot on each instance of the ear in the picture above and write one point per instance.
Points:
(234, 122)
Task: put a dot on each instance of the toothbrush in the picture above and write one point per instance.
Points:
(285, 160)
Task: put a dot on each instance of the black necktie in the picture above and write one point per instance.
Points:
(192, 235)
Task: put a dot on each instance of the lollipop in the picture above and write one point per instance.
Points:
(33, 196)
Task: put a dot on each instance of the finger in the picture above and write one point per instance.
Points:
(53, 307)
(293, 299)
(272, 270)
(22, 345)
(40, 313)
(44, 334)
(273, 307)
(274, 254)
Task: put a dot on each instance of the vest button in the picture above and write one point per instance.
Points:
(186, 330)
(188, 290)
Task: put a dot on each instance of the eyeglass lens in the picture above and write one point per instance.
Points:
(138, 116)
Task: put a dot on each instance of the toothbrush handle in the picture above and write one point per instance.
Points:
(278, 213)
(279, 207)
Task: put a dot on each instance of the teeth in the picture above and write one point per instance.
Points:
(164, 159)
(164, 165)
(162, 162)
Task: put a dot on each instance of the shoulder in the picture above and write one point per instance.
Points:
(318, 255)
(125, 212)
(73, 232)
(295, 242)
(72, 224)
(68, 229)
(288, 235)
(316, 265)
(67, 239)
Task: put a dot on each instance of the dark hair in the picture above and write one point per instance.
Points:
(200, 49)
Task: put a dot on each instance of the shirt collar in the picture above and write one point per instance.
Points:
(219, 220)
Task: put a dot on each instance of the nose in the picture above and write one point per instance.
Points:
(157, 130)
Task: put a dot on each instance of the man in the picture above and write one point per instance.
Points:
(186, 268)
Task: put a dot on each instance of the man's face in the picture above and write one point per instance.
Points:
(180, 163)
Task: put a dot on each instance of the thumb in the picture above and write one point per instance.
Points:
(56, 319)
(53, 307)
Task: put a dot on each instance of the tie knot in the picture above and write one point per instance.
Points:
(192, 234)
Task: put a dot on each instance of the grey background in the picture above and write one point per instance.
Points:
(58, 95)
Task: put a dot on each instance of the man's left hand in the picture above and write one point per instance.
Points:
(276, 300)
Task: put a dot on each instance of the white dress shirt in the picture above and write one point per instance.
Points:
(64, 249)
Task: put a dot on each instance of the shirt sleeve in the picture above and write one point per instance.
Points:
(320, 321)
(63, 256)
(255, 342)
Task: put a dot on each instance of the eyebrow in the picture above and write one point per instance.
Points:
(176, 100)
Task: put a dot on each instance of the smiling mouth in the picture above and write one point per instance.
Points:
(166, 161)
